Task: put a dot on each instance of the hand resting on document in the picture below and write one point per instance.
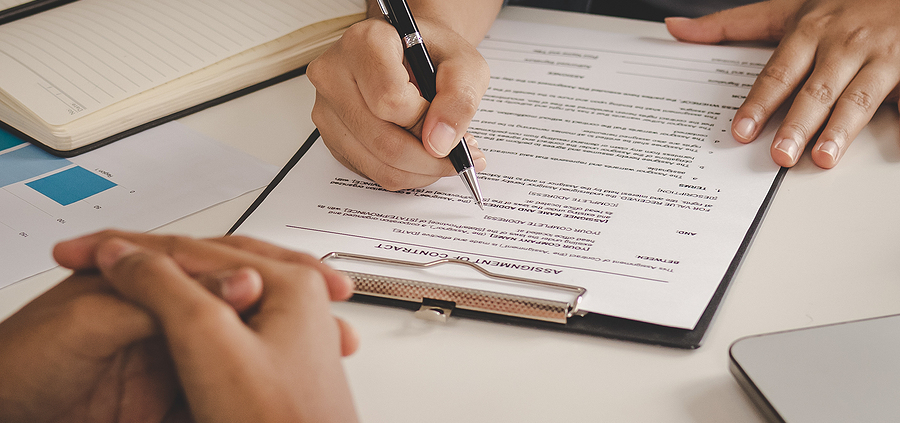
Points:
(841, 58)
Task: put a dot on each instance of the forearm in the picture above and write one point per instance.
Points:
(471, 19)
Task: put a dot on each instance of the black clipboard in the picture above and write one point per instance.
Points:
(588, 324)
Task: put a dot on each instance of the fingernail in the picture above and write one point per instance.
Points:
(240, 285)
(744, 128)
(471, 142)
(113, 251)
(442, 138)
(831, 149)
(675, 19)
(788, 147)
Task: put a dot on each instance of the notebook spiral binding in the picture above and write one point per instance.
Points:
(441, 299)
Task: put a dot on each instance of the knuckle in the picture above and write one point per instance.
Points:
(856, 37)
(813, 23)
(891, 50)
(820, 92)
(387, 103)
(357, 30)
(839, 131)
(774, 29)
(369, 36)
(801, 129)
(860, 99)
(387, 147)
(756, 109)
(479, 69)
(778, 75)
(467, 100)
(315, 71)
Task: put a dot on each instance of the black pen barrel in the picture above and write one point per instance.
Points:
(422, 70)
(402, 17)
(460, 156)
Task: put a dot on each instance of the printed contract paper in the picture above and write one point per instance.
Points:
(610, 166)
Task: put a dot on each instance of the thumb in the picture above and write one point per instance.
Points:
(764, 21)
(460, 83)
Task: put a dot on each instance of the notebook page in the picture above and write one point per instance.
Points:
(68, 62)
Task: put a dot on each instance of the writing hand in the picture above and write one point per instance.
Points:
(371, 115)
(839, 57)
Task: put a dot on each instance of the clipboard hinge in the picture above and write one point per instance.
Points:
(438, 301)
(435, 310)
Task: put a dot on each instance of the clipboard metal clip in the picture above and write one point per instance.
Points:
(438, 301)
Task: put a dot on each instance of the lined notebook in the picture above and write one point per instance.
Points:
(86, 71)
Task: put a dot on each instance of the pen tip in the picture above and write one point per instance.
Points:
(471, 181)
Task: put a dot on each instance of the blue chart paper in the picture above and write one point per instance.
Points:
(7, 140)
(71, 185)
(17, 165)
(137, 184)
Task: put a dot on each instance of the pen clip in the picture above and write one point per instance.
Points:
(385, 11)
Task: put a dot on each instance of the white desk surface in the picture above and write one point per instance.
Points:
(827, 252)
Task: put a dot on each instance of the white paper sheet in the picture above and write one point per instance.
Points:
(138, 183)
(610, 166)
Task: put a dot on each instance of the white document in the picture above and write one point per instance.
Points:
(70, 61)
(137, 184)
(610, 166)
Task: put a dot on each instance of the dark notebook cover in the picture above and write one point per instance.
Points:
(30, 8)
(156, 122)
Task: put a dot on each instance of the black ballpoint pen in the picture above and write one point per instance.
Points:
(398, 14)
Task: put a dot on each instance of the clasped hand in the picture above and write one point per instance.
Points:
(173, 329)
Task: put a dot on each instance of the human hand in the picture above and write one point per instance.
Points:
(371, 115)
(840, 57)
(80, 352)
(280, 363)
